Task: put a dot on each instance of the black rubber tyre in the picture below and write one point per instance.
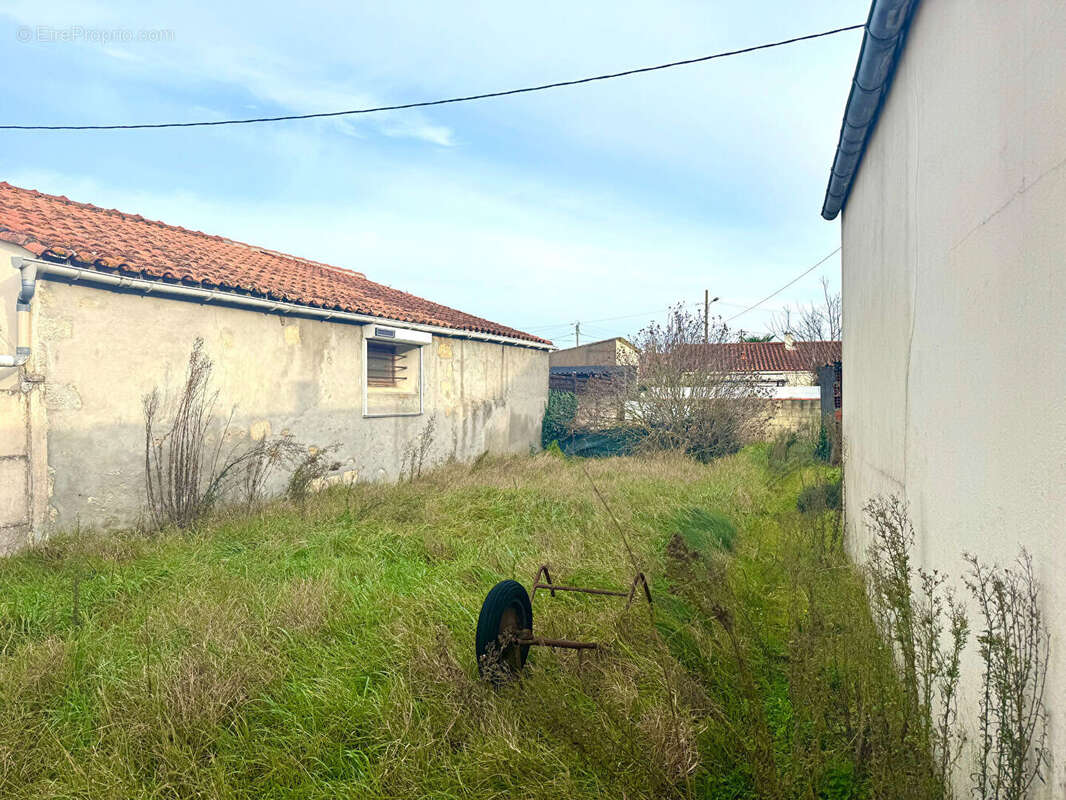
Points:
(506, 607)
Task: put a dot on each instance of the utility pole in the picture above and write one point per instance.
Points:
(577, 334)
(707, 300)
(706, 315)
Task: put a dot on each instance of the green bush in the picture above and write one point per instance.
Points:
(820, 497)
(558, 417)
(823, 448)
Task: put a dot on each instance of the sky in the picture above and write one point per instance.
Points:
(604, 203)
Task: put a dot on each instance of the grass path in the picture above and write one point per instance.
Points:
(328, 652)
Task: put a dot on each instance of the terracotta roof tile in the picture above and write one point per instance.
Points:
(56, 228)
(774, 356)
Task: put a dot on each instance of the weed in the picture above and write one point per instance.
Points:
(316, 464)
(415, 452)
(701, 529)
(1014, 647)
(186, 472)
(914, 623)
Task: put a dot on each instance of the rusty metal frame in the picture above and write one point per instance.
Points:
(639, 580)
(526, 637)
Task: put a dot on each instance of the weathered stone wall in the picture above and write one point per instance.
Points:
(97, 352)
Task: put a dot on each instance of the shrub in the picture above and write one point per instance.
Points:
(834, 447)
(553, 449)
(823, 449)
(693, 395)
(558, 416)
(820, 497)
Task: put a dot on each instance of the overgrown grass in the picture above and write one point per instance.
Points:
(327, 651)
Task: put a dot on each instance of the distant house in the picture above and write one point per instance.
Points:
(105, 306)
(950, 178)
(597, 373)
(775, 365)
(614, 352)
(786, 372)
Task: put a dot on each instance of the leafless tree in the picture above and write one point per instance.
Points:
(818, 322)
(691, 395)
(602, 399)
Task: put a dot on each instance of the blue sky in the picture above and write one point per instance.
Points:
(614, 199)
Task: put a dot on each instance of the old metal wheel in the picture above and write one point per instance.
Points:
(504, 614)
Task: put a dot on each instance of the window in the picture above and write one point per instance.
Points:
(384, 367)
(392, 372)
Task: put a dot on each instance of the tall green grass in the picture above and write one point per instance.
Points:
(327, 651)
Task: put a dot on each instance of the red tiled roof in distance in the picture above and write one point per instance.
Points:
(773, 356)
(107, 240)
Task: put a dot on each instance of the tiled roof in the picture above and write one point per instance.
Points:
(774, 356)
(58, 229)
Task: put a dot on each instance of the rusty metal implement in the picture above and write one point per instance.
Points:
(505, 625)
(639, 580)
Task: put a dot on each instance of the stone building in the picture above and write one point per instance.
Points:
(102, 307)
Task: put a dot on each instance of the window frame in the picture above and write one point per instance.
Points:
(421, 379)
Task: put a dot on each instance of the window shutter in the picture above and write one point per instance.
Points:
(382, 365)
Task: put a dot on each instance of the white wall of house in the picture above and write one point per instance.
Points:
(954, 288)
(97, 352)
(790, 378)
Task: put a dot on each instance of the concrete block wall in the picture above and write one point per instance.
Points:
(792, 414)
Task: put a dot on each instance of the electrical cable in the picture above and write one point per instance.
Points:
(771, 296)
(427, 103)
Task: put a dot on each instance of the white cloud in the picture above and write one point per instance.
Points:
(592, 201)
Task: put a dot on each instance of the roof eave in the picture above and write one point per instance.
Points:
(882, 44)
(264, 304)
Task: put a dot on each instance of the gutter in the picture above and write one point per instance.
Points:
(78, 274)
(28, 270)
(882, 44)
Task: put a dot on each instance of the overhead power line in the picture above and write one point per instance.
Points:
(426, 103)
(775, 294)
(605, 319)
(554, 325)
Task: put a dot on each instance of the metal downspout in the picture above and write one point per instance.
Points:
(28, 269)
